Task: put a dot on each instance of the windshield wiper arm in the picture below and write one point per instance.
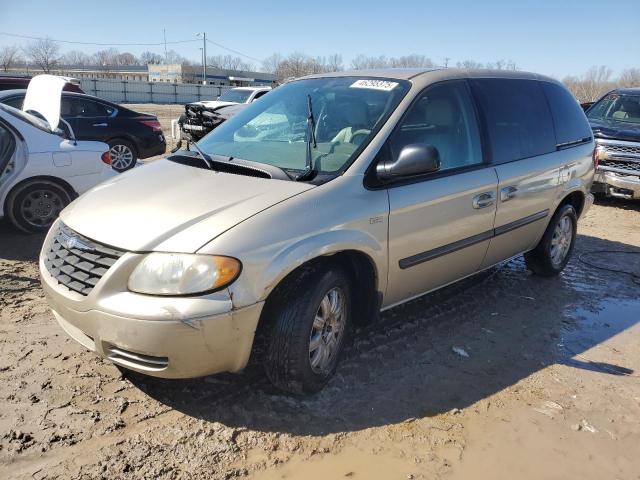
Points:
(310, 140)
(205, 157)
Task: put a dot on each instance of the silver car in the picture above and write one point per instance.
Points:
(334, 197)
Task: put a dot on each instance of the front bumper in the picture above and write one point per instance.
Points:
(168, 337)
(616, 185)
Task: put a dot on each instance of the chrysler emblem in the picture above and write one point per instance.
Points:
(70, 242)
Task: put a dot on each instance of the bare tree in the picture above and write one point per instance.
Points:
(125, 58)
(629, 78)
(469, 64)
(147, 58)
(362, 62)
(174, 57)
(411, 61)
(75, 57)
(228, 62)
(9, 56)
(106, 57)
(270, 64)
(45, 53)
(592, 85)
(334, 63)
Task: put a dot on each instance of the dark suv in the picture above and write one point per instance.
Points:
(130, 135)
(615, 121)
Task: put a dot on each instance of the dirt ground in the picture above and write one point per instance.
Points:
(505, 376)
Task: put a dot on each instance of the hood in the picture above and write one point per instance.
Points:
(231, 110)
(213, 104)
(43, 96)
(167, 206)
(608, 129)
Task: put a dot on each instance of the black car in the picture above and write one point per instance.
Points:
(130, 135)
(615, 121)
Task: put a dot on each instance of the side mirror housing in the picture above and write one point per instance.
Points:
(414, 159)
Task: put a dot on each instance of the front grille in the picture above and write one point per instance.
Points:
(622, 166)
(618, 148)
(77, 262)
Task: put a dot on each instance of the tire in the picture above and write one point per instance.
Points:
(33, 206)
(290, 362)
(554, 250)
(123, 154)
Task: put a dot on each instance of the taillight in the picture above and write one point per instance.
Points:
(154, 124)
(106, 157)
(598, 153)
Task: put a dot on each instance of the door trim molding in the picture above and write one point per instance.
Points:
(428, 255)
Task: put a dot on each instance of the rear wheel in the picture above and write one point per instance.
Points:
(123, 155)
(310, 324)
(34, 206)
(553, 252)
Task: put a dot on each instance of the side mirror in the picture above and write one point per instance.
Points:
(414, 159)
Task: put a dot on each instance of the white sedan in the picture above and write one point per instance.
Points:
(41, 170)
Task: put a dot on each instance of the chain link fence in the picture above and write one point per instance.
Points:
(127, 91)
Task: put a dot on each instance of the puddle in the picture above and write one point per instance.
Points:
(590, 328)
(597, 324)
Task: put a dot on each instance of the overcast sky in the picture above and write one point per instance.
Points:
(551, 37)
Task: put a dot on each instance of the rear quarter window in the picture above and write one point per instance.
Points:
(517, 118)
(569, 120)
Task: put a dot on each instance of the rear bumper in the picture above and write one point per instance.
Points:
(613, 184)
(151, 146)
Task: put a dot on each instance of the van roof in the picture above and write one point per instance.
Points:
(441, 73)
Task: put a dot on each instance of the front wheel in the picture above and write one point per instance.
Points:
(553, 252)
(309, 326)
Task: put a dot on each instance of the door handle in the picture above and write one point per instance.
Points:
(483, 200)
(99, 125)
(507, 193)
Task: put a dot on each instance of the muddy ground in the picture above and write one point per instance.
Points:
(549, 389)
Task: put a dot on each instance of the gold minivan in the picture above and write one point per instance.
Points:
(329, 199)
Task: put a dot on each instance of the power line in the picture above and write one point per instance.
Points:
(28, 37)
(234, 51)
(154, 44)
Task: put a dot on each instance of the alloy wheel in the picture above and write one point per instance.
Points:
(121, 157)
(561, 240)
(327, 330)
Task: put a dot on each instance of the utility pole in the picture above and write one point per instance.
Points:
(204, 56)
(164, 34)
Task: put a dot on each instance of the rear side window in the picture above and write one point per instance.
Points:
(15, 102)
(517, 117)
(7, 147)
(568, 117)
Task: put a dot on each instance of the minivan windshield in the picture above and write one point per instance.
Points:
(234, 95)
(617, 107)
(346, 113)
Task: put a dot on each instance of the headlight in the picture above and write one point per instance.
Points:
(183, 274)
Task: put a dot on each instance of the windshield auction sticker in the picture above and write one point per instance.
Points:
(374, 84)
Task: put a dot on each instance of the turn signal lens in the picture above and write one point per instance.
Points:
(106, 157)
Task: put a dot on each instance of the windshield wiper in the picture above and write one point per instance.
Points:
(205, 157)
(310, 140)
